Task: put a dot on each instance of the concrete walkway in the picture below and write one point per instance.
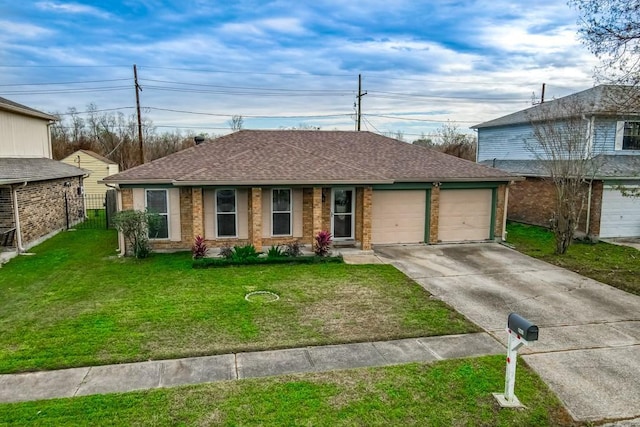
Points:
(168, 373)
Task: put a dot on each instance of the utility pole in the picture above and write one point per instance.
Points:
(542, 97)
(360, 95)
(138, 89)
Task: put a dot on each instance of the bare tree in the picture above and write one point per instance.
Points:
(611, 30)
(562, 136)
(457, 143)
(236, 123)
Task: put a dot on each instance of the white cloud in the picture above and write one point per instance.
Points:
(21, 30)
(73, 8)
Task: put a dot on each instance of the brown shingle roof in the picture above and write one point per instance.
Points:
(306, 157)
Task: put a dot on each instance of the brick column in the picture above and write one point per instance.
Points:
(434, 215)
(126, 195)
(255, 218)
(317, 212)
(366, 218)
(197, 212)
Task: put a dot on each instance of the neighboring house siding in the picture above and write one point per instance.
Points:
(506, 143)
(99, 170)
(22, 136)
(604, 136)
(41, 206)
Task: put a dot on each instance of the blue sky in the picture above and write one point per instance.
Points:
(283, 63)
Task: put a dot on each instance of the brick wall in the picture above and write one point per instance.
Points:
(6, 209)
(41, 206)
(533, 202)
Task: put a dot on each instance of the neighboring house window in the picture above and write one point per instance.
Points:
(628, 135)
(226, 213)
(631, 136)
(157, 201)
(281, 212)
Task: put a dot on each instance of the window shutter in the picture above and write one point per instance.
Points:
(619, 134)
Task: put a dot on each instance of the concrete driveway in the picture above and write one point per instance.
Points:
(589, 346)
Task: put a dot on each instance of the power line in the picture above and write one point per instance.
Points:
(93, 111)
(421, 120)
(250, 116)
(63, 83)
(245, 87)
(63, 91)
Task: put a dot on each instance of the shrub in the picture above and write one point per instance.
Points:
(199, 248)
(323, 243)
(275, 252)
(226, 252)
(244, 253)
(135, 226)
(293, 249)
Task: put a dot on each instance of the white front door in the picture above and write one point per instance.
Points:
(342, 213)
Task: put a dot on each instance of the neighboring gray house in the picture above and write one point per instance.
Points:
(613, 135)
(36, 192)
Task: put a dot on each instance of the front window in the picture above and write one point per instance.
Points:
(226, 213)
(157, 202)
(631, 136)
(281, 212)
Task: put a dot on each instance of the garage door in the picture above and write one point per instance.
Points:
(398, 216)
(620, 215)
(464, 215)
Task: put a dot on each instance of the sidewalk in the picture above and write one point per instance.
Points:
(196, 370)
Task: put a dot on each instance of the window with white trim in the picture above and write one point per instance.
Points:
(157, 202)
(226, 213)
(631, 136)
(281, 212)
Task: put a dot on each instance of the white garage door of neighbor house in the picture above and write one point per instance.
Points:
(398, 216)
(620, 215)
(464, 215)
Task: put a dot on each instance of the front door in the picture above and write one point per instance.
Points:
(342, 213)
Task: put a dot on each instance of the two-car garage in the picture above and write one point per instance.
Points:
(404, 216)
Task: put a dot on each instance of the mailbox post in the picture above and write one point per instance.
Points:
(520, 332)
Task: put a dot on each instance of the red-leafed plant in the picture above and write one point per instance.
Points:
(199, 248)
(323, 243)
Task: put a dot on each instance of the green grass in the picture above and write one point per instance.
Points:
(446, 393)
(614, 265)
(74, 303)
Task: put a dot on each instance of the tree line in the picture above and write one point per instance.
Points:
(114, 135)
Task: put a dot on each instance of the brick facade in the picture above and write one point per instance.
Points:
(6, 209)
(533, 202)
(42, 208)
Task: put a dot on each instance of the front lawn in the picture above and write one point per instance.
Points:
(614, 265)
(74, 303)
(451, 392)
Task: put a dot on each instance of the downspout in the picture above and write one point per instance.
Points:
(122, 248)
(16, 217)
